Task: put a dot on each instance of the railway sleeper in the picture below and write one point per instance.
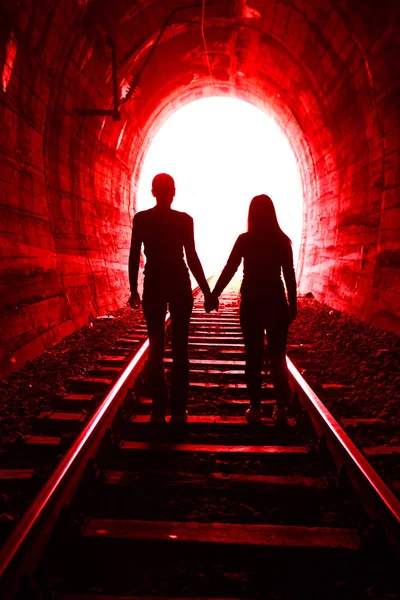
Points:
(217, 404)
(111, 372)
(109, 360)
(89, 384)
(202, 387)
(117, 453)
(72, 402)
(228, 429)
(208, 560)
(58, 423)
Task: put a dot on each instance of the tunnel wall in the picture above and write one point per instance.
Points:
(65, 188)
(352, 246)
(326, 70)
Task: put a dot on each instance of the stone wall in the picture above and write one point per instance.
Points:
(65, 189)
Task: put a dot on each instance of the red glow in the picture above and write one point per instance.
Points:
(11, 53)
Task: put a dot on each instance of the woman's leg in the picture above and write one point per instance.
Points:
(277, 337)
(253, 335)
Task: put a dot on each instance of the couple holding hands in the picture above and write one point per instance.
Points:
(167, 235)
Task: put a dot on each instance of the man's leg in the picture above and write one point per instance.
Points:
(277, 337)
(253, 335)
(181, 309)
(154, 312)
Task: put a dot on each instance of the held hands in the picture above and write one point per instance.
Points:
(134, 300)
(211, 302)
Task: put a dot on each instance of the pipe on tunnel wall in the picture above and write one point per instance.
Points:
(326, 69)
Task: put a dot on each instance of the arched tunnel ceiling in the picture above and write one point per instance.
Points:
(306, 62)
(326, 69)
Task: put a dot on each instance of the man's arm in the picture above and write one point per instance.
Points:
(230, 268)
(134, 260)
(193, 260)
(290, 279)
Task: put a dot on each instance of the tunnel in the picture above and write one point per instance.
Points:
(86, 85)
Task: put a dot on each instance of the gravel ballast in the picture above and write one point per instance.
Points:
(348, 351)
(31, 390)
(344, 350)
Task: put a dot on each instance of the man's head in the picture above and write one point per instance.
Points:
(163, 189)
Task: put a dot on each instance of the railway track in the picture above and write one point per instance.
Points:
(213, 508)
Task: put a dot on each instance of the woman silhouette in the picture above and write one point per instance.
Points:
(266, 251)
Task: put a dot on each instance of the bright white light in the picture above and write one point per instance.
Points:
(222, 152)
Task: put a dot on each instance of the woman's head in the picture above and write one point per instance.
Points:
(262, 216)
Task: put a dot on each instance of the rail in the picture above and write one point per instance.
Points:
(379, 500)
(22, 549)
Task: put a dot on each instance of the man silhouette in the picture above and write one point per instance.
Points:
(165, 234)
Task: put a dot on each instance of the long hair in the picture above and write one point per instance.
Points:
(262, 217)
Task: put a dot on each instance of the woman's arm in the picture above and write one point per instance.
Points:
(230, 268)
(290, 279)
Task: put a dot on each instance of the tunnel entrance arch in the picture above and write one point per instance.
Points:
(223, 151)
(286, 175)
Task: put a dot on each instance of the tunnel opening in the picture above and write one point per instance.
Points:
(222, 151)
